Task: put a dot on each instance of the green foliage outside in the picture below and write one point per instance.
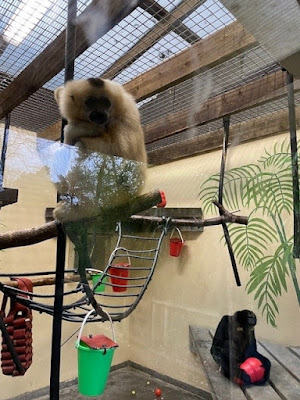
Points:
(266, 190)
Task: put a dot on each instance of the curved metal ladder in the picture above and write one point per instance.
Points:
(139, 276)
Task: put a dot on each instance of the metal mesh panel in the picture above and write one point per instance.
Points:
(16, 57)
(144, 39)
(242, 69)
(256, 112)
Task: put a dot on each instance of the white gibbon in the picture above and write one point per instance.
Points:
(102, 119)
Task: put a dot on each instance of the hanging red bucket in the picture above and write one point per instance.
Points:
(119, 272)
(176, 244)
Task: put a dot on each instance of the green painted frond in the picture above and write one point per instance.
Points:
(264, 281)
(209, 193)
(234, 183)
(280, 157)
(266, 187)
(270, 191)
(251, 241)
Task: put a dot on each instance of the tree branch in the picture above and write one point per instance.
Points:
(47, 231)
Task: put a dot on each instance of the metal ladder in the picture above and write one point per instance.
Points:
(139, 276)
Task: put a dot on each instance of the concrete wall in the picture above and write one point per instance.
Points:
(196, 288)
(199, 287)
(36, 192)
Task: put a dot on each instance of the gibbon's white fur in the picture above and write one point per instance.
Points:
(101, 117)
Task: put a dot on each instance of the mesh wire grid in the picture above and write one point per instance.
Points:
(45, 27)
(237, 71)
(197, 19)
(188, 135)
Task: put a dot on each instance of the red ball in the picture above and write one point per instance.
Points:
(254, 368)
(157, 392)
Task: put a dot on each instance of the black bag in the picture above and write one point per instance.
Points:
(234, 349)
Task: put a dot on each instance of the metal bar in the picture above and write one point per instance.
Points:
(116, 295)
(4, 148)
(127, 278)
(139, 237)
(226, 123)
(294, 155)
(57, 314)
(61, 236)
(136, 251)
(134, 256)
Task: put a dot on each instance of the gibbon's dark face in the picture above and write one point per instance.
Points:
(97, 107)
(86, 100)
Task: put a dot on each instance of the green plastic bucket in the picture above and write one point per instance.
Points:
(96, 275)
(93, 363)
(93, 369)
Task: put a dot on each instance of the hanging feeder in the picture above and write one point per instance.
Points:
(95, 354)
(176, 244)
(119, 272)
(18, 324)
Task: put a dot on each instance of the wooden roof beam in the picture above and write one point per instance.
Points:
(253, 129)
(160, 13)
(165, 24)
(226, 43)
(268, 88)
(40, 70)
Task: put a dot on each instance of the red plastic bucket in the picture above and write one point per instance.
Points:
(176, 244)
(120, 274)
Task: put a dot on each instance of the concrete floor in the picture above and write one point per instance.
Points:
(130, 384)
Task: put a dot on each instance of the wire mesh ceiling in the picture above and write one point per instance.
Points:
(152, 33)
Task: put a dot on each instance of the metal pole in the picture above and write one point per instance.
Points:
(294, 155)
(61, 237)
(226, 124)
(4, 148)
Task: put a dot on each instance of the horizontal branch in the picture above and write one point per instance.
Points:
(227, 217)
(47, 231)
(26, 237)
(44, 281)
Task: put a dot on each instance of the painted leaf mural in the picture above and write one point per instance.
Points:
(265, 189)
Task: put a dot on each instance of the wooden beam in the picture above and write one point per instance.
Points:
(160, 13)
(51, 60)
(267, 88)
(152, 36)
(254, 129)
(219, 47)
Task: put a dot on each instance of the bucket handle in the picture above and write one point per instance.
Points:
(114, 252)
(86, 318)
(92, 270)
(178, 230)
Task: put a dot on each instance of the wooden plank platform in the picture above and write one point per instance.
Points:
(284, 382)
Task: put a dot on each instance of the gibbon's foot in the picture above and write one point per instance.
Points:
(65, 212)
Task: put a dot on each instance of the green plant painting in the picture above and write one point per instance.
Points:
(265, 190)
